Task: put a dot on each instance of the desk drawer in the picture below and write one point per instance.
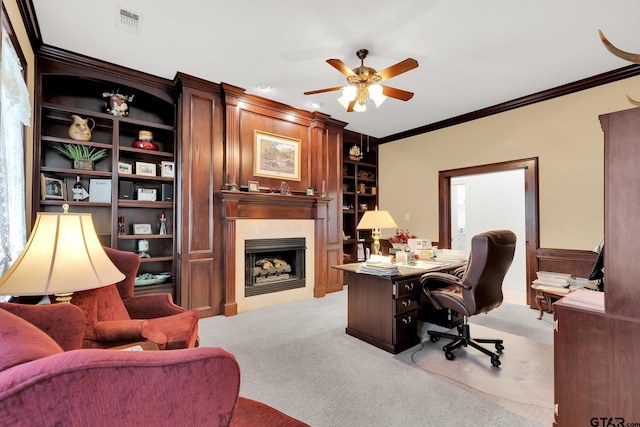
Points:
(407, 287)
(407, 303)
(406, 327)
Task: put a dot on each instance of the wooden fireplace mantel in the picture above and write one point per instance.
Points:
(245, 205)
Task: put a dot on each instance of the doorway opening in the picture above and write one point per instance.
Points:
(447, 193)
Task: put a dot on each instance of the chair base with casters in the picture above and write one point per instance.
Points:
(477, 289)
(463, 339)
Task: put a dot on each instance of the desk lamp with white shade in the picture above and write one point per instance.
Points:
(63, 255)
(375, 221)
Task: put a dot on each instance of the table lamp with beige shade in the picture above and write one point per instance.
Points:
(376, 220)
(63, 255)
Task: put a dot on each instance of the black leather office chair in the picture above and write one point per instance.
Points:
(478, 290)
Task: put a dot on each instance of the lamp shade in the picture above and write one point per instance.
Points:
(376, 219)
(63, 254)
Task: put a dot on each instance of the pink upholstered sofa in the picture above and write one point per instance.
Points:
(41, 384)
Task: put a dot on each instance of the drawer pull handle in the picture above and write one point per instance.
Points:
(409, 286)
(406, 320)
(406, 303)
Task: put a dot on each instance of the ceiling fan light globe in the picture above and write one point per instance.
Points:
(375, 91)
(359, 108)
(349, 93)
(379, 100)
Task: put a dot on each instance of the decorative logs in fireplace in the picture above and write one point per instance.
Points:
(270, 270)
(273, 265)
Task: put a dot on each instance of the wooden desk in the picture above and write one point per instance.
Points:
(545, 293)
(383, 310)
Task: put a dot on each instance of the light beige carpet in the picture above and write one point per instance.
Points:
(522, 384)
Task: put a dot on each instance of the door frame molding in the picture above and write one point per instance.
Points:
(531, 210)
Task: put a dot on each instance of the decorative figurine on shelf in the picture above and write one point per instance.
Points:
(117, 103)
(121, 225)
(355, 153)
(80, 130)
(143, 248)
(163, 224)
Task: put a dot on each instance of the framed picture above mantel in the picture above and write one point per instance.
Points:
(276, 156)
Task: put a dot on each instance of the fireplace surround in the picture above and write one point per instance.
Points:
(248, 216)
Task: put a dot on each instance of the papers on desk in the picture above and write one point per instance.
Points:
(378, 269)
(547, 278)
(585, 298)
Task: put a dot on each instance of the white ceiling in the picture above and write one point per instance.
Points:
(472, 54)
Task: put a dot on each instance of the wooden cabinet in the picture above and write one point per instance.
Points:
(359, 190)
(67, 90)
(596, 353)
(596, 356)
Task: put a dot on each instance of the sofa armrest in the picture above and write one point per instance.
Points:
(151, 306)
(128, 330)
(65, 323)
(197, 387)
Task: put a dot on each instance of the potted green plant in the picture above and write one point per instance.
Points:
(83, 157)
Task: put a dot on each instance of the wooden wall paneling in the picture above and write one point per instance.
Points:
(622, 209)
(332, 165)
(201, 161)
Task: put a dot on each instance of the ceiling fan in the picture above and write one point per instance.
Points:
(364, 83)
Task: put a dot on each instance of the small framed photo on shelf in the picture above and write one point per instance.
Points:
(309, 191)
(141, 228)
(253, 186)
(53, 188)
(100, 190)
(145, 169)
(167, 170)
(125, 168)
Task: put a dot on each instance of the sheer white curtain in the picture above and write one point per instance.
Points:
(15, 111)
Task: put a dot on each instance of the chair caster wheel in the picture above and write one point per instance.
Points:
(495, 361)
(433, 338)
(499, 347)
(451, 356)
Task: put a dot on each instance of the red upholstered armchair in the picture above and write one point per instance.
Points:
(42, 385)
(114, 316)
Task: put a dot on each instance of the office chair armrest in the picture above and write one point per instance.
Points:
(438, 280)
(431, 299)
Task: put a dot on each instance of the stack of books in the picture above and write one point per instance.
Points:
(378, 269)
(547, 278)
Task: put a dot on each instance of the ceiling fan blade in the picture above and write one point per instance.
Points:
(313, 92)
(351, 105)
(400, 94)
(399, 68)
(341, 66)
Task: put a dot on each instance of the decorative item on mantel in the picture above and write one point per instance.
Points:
(83, 157)
(323, 193)
(284, 189)
(233, 185)
(145, 141)
(80, 129)
(117, 103)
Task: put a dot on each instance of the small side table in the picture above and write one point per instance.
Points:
(546, 293)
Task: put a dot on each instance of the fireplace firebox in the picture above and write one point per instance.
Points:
(273, 265)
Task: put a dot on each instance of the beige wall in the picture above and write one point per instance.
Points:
(13, 12)
(564, 133)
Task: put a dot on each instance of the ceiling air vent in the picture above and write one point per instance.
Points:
(128, 20)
